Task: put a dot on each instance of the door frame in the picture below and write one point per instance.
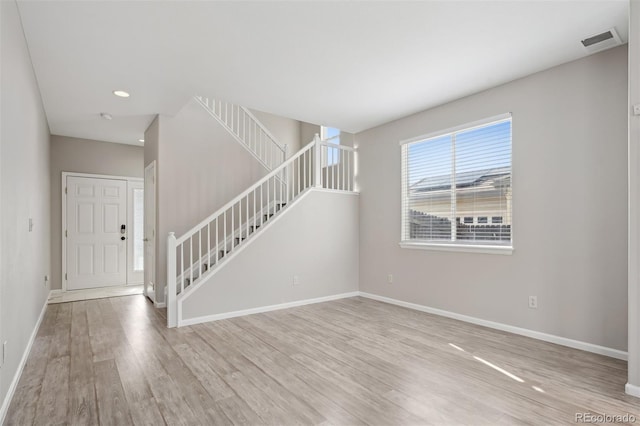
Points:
(150, 275)
(64, 212)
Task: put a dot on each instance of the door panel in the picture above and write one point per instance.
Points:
(96, 255)
(84, 253)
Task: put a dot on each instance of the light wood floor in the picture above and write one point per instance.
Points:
(348, 362)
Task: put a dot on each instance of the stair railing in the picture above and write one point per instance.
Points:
(247, 130)
(207, 245)
(338, 166)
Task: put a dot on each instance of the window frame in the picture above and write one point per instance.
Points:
(334, 140)
(455, 246)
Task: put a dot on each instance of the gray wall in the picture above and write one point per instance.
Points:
(84, 156)
(307, 132)
(569, 206)
(317, 240)
(24, 194)
(151, 138)
(200, 168)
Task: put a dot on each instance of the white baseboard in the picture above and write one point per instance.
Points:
(226, 315)
(16, 377)
(160, 304)
(576, 344)
(632, 390)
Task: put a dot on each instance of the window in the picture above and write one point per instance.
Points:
(138, 230)
(330, 135)
(459, 173)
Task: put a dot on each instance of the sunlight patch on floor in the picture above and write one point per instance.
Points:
(93, 293)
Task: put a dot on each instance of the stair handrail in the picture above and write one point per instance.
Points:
(281, 146)
(211, 109)
(314, 160)
(246, 192)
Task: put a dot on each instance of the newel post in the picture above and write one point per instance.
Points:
(172, 307)
(317, 167)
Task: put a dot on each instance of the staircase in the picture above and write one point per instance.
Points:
(247, 130)
(204, 250)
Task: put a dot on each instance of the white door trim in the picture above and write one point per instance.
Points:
(64, 211)
(150, 193)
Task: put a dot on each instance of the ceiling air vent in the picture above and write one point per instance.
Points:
(602, 41)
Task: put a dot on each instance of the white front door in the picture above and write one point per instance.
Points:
(150, 230)
(96, 232)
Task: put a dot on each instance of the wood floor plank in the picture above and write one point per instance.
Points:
(52, 402)
(134, 382)
(23, 407)
(212, 382)
(48, 325)
(258, 400)
(172, 406)
(332, 367)
(238, 411)
(146, 413)
(348, 362)
(112, 405)
(83, 408)
(239, 355)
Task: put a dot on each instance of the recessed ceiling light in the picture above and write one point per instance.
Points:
(141, 140)
(121, 93)
(106, 116)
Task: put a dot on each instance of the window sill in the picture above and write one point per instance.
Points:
(462, 248)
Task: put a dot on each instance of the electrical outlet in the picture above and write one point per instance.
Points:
(533, 302)
(390, 278)
(636, 109)
(296, 280)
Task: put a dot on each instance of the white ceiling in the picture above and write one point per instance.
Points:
(352, 65)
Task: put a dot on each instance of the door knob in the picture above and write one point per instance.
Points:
(122, 238)
(145, 239)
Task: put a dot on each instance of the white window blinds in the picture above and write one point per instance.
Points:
(456, 185)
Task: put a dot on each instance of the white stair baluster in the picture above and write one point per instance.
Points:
(283, 185)
(217, 246)
(182, 272)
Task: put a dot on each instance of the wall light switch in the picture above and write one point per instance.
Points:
(636, 109)
(30, 224)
